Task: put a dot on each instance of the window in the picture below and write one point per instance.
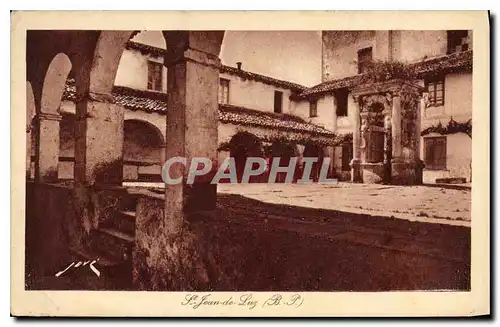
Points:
(313, 108)
(278, 101)
(224, 91)
(346, 156)
(458, 41)
(435, 88)
(341, 96)
(435, 152)
(155, 76)
(365, 57)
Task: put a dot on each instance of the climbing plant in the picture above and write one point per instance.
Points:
(453, 127)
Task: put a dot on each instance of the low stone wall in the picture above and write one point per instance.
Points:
(224, 252)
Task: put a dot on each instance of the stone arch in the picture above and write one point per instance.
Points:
(241, 146)
(284, 151)
(54, 82)
(108, 51)
(143, 145)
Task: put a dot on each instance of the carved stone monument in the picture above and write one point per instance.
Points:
(386, 140)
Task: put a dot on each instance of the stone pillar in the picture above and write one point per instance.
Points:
(98, 141)
(192, 119)
(47, 147)
(356, 176)
(418, 124)
(419, 165)
(396, 127)
(398, 167)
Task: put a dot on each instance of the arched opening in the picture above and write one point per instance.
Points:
(54, 82)
(284, 151)
(316, 152)
(66, 146)
(143, 144)
(242, 146)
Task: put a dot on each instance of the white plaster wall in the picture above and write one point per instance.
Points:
(457, 101)
(255, 95)
(340, 52)
(415, 45)
(458, 158)
(133, 70)
(326, 113)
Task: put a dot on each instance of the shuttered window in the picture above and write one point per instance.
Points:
(155, 76)
(435, 88)
(224, 91)
(435, 153)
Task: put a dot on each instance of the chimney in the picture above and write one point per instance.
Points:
(239, 65)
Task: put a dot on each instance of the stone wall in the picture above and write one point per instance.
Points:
(227, 251)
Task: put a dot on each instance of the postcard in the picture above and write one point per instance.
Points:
(229, 164)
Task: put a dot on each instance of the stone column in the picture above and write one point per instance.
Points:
(98, 140)
(398, 168)
(396, 127)
(47, 147)
(418, 124)
(356, 139)
(192, 119)
(419, 166)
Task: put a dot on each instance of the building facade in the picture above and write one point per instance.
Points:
(263, 116)
(442, 63)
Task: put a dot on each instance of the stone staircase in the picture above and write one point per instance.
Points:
(112, 242)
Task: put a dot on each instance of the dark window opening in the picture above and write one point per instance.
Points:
(458, 41)
(435, 88)
(313, 108)
(435, 152)
(155, 76)
(341, 97)
(278, 101)
(365, 57)
(224, 91)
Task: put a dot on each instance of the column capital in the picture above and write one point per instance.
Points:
(193, 55)
(48, 116)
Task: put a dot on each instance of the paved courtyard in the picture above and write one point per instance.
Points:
(434, 203)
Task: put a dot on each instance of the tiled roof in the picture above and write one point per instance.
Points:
(146, 49)
(249, 117)
(157, 102)
(460, 61)
(132, 99)
(262, 78)
(159, 52)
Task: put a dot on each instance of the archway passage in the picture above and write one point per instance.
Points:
(242, 146)
(285, 152)
(143, 145)
(316, 152)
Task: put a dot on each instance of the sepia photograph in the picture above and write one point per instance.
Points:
(224, 164)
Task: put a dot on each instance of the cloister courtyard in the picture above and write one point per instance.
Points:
(433, 203)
